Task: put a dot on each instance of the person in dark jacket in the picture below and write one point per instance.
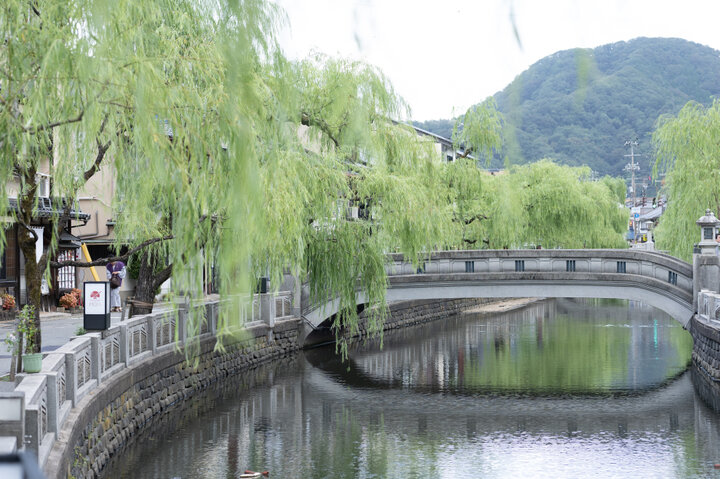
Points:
(115, 269)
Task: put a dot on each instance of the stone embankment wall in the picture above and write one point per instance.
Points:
(146, 385)
(706, 347)
(128, 407)
(410, 313)
(125, 408)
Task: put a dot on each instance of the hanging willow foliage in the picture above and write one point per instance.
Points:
(542, 203)
(687, 151)
(233, 154)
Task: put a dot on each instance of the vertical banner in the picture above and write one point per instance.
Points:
(97, 305)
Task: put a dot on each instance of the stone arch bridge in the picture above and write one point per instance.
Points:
(655, 278)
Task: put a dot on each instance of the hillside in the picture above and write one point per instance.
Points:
(579, 106)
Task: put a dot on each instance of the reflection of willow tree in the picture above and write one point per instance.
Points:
(680, 343)
(568, 358)
(352, 445)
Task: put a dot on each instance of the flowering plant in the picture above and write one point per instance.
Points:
(68, 300)
(78, 295)
(8, 302)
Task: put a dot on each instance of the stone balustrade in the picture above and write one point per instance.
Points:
(39, 406)
(643, 263)
(709, 306)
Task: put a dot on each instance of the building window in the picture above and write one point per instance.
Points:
(469, 266)
(519, 265)
(570, 265)
(66, 274)
(8, 259)
(672, 278)
(621, 267)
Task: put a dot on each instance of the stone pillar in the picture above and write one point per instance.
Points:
(706, 263)
(267, 309)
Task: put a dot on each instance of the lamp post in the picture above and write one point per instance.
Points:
(708, 229)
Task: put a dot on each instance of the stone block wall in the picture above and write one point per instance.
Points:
(128, 406)
(706, 347)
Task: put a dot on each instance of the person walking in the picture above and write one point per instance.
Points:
(115, 274)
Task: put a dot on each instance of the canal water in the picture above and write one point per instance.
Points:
(558, 389)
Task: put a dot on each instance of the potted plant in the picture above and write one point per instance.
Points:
(68, 301)
(32, 362)
(78, 296)
(7, 302)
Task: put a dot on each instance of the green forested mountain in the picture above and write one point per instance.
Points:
(579, 106)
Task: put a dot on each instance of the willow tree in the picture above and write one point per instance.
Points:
(542, 203)
(476, 136)
(345, 184)
(169, 90)
(687, 151)
(564, 209)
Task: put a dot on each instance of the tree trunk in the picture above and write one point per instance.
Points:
(148, 282)
(144, 290)
(33, 275)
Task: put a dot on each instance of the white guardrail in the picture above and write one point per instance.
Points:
(42, 401)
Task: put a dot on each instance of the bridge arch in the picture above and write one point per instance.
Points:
(653, 278)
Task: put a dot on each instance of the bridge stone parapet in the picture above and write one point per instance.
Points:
(644, 263)
(652, 277)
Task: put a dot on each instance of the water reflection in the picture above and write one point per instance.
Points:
(424, 407)
(550, 347)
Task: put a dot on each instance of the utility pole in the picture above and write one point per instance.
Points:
(632, 167)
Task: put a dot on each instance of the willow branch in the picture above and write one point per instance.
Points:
(322, 124)
(161, 277)
(102, 149)
(54, 124)
(470, 220)
(465, 153)
(27, 228)
(110, 259)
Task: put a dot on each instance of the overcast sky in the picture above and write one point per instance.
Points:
(444, 55)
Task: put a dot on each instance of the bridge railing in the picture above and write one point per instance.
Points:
(649, 264)
(77, 368)
(709, 305)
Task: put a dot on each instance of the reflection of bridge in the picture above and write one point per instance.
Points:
(653, 278)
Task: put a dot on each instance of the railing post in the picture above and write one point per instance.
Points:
(297, 297)
(53, 412)
(182, 320)
(12, 415)
(152, 333)
(267, 309)
(71, 378)
(124, 345)
(95, 354)
(212, 319)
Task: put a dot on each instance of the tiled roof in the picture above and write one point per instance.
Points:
(47, 207)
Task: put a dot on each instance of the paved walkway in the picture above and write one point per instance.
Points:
(57, 329)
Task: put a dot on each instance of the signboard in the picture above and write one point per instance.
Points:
(97, 305)
(637, 216)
